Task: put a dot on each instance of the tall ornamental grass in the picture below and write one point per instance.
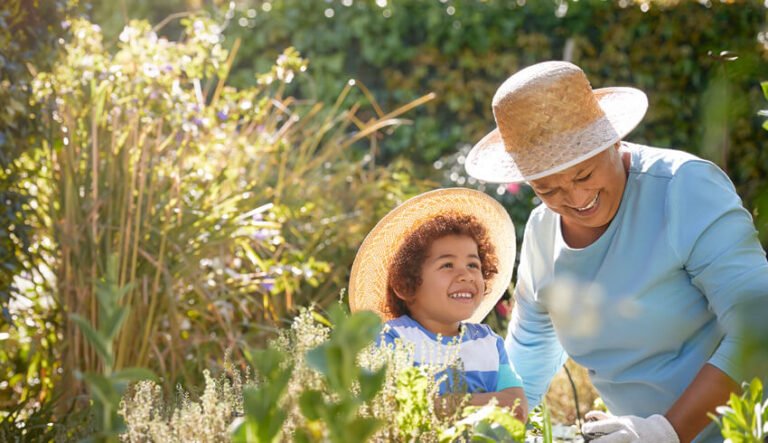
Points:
(223, 205)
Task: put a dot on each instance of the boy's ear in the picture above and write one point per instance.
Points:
(401, 295)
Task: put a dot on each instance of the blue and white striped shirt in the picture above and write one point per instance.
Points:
(486, 367)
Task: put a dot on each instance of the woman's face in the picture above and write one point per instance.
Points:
(587, 195)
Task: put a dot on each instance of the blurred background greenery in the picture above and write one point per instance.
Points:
(234, 178)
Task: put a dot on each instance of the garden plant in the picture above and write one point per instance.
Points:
(184, 185)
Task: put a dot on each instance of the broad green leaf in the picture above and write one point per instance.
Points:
(316, 359)
(310, 403)
(371, 383)
(362, 428)
(96, 340)
(102, 390)
(112, 324)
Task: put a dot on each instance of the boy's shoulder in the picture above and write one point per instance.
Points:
(475, 331)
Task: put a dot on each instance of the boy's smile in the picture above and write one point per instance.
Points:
(452, 285)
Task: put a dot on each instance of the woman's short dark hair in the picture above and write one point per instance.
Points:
(405, 269)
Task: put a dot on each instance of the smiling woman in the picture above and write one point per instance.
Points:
(654, 243)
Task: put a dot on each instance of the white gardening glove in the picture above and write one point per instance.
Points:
(606, 428)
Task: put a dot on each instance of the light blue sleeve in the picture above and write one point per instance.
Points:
(715, 237)
(531, 341)
(508, 376)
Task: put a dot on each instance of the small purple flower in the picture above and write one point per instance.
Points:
(198, 121)
(261, 234)
(267, 285)
(221, 115)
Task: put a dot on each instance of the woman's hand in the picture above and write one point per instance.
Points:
(606, 428)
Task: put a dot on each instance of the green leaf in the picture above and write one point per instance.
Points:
(102, 390)
(310, 403)
(317, 359)
(764, 85)
(371, 383)
(362, 428)
(134, 374)
(320, 319)
(112, 324)
(95, 339)
(245, 432)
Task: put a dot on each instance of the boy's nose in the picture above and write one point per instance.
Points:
(466, 276)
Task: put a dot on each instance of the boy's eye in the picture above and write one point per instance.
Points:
(447, 265)
(474, 265)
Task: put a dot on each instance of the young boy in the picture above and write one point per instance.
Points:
(434, 267)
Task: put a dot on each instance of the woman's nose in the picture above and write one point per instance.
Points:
(578, 197)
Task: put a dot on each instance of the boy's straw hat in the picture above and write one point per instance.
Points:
(548, 119)
(368, 280)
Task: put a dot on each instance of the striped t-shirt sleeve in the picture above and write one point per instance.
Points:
(387, 336)
(508, 376)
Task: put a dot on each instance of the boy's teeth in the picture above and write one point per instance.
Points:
(461, 295)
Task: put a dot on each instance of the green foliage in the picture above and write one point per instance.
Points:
(413, 402)
(760, 212)
(189, 416)
(28, 358)
(108, 386)
(488, 423)
(362, 393)
(225, 206)
(764, 112)
(264, 415)
(462, 51)
(745, 419)
(336, 360)
(541, 422)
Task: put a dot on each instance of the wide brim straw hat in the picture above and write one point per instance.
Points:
(548, 119)
(368, 279)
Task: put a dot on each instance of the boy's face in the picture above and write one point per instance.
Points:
(452, 285)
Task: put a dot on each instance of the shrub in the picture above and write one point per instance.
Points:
(745, 418)
(350, 397)
(221, 204)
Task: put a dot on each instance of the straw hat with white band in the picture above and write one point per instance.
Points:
(368, 280)
(548, 119)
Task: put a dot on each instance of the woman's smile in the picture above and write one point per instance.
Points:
(590, 208)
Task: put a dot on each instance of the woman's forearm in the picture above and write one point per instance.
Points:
(711, 388)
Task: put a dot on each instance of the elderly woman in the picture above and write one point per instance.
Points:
(650, 247)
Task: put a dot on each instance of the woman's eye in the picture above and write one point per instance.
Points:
(585, 178)
(474, 265)
(446, 265)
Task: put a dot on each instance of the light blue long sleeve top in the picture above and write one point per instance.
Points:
(650, 302)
